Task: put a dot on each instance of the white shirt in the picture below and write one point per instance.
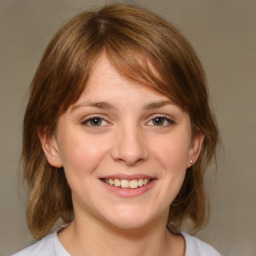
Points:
(51, 246)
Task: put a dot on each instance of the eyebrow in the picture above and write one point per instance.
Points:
(100, 105)
(156, 105)
(108, 106)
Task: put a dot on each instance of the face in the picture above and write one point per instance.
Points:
(125, 149)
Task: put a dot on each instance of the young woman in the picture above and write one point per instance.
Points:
(117, 136)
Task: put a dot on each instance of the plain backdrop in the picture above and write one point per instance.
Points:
(224, 36)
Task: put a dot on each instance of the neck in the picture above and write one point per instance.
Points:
(94, 238)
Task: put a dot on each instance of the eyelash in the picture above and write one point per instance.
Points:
(165, 121)
(94, 118)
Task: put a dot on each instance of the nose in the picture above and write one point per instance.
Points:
(130, 146)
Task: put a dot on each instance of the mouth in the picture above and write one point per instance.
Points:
(127, 184)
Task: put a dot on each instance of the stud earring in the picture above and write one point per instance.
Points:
(191, 161)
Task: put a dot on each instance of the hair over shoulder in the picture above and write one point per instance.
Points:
(143, 48)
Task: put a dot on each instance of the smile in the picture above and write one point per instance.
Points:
(123, 183)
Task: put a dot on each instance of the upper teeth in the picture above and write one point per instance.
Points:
(127, 183)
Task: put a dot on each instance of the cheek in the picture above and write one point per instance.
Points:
(81, 157)
(173, 152)
(81, 154)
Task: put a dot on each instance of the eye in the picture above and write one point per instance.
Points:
(160, 121)
(94, 122)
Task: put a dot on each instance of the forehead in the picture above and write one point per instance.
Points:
(105, 81)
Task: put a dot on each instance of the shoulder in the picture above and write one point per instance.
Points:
(196, 247)
(48, 246)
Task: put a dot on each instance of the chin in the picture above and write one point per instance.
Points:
(130, 224)
(130, 220)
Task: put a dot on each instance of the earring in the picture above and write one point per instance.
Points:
(191, 161)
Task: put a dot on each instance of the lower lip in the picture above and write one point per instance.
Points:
(129, 192)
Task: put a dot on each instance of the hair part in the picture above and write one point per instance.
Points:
(143, 48)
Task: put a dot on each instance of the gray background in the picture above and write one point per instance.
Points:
(222, 32)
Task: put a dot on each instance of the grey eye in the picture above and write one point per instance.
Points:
(95, 121)
(158, 121)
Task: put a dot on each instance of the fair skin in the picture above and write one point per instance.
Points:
(127, 134)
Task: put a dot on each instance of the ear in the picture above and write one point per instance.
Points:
(50, 148)
(195, 148)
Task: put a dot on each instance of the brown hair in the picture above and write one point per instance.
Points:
(143, 48)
